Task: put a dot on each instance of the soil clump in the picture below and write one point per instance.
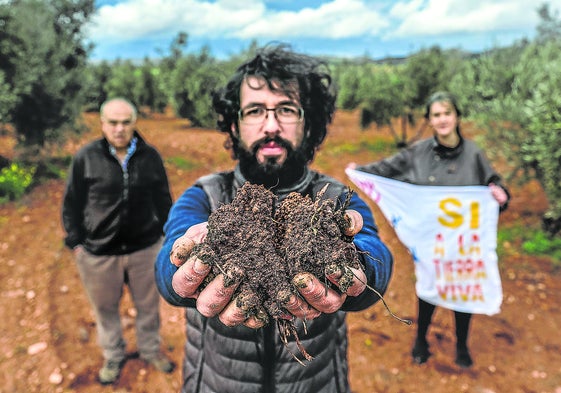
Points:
(263, 244)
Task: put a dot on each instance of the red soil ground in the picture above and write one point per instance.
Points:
(48, 338)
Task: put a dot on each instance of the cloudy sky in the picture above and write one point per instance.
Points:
(133, 29)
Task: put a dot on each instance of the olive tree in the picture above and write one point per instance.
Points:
(523, 121)
(193, 80)
(43, 58)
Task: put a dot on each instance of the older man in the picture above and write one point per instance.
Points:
(116, 202)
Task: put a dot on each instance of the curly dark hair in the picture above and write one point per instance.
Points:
(280, 67)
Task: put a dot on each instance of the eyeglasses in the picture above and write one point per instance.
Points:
(285, 114)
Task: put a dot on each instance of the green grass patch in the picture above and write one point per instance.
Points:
(511, 234)
(372, 146)
(379, 146)
(539, 243)
(529, 241)
(181, 162)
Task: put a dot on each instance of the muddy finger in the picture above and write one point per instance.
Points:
(315, 293)
(232, 315)
(216, 296)
(254, 322)
(301, 309)
(355, 222)
(181, 250)
(188, 278)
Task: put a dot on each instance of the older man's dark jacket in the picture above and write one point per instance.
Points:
(111, 210)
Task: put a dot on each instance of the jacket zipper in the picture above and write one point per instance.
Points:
(269, 335)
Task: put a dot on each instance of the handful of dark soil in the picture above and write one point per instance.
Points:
(311, 238)
(263, 246)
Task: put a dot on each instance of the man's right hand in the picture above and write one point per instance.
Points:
(182, 247)
(215, 298)
(192, 271)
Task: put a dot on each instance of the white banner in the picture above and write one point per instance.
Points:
(451, 232)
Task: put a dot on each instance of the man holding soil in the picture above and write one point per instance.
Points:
(275, 109)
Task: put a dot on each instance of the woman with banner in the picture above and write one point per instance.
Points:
(446, 159)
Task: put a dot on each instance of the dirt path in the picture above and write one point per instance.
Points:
(47, 333)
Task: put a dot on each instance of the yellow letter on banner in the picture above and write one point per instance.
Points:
(456, 218)
(474, 222)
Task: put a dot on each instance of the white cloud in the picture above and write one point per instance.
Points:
(336, 19)
(409, 22)
(234, 19)
(133, 19)
(439, 17)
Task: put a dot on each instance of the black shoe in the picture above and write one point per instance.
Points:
(463, 359)
(420, 352)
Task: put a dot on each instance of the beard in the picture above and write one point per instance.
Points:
(272, 174)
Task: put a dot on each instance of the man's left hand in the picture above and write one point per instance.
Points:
(317, 298)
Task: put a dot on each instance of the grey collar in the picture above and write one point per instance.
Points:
(300, 186)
